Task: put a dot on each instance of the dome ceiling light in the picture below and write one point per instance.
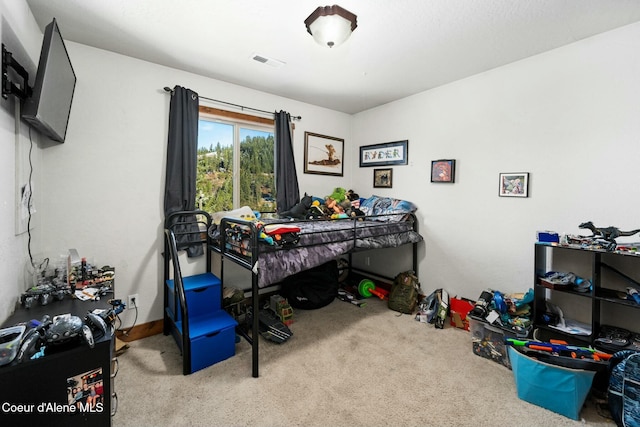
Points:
(331, 25)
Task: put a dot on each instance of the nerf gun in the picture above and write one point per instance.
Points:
(560, 348)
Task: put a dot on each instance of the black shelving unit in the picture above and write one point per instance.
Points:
(36, 392)
(607, 290)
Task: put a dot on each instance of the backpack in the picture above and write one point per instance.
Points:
(624, 388)
(312, 289)
(403, 296)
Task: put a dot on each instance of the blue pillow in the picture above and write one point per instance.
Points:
(375, 205)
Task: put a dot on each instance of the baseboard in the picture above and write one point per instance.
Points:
(143, 330)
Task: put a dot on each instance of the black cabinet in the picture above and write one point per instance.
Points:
(610, 274)
(41, 392)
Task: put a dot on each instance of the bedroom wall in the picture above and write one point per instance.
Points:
(105, 186)
(22, 38)
(569, 117)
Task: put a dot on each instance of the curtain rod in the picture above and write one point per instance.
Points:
(168, 89)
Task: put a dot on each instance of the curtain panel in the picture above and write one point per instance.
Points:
(182, 151)
(287, 191)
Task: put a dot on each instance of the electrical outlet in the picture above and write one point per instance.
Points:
(131, 304)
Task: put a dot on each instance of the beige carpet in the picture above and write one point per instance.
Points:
(344, 366)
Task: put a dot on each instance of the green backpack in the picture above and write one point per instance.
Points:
(404, 292)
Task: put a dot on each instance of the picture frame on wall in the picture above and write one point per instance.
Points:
(387, 154)
(382, 178)
(514, 184)
(443, 170)
(323, 155)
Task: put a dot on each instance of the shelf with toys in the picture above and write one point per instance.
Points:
(595, 285)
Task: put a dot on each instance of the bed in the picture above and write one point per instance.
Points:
(273, 249)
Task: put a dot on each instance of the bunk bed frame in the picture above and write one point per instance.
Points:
(254, 250)
(355, 235)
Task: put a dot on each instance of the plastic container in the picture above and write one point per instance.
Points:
(488, 340)
(557, 388)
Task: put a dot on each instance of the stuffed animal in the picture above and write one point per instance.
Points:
(299, 210)
(339, 194)
(345, 205)
(351, 195)
(318, 210)
(354, 198)
(333, 205)
(357, 213)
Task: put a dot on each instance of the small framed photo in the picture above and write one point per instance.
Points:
(323, 154)
(443, 171)
(382, 178)
(514, 184)
(391, 153)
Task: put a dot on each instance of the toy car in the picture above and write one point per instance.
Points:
(10, 339)
(59, 330)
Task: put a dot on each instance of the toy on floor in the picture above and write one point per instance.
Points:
(270, 327)
(280, 306)
(367, 288)
(346, 296)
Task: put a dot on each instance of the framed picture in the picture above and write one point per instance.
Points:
(323, 154)
(382, 178)
(515, 184)
(391, 153)
(443, 171)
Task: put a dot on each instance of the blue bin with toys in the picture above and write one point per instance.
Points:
(557, 388)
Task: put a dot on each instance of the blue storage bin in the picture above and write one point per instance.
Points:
(559, 389)
(203, 295)
(213, 339)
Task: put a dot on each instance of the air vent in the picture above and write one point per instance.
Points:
(266, 60)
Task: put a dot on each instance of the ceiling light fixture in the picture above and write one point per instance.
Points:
(331, 25)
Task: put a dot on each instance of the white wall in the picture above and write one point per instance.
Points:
(104, 186)
(22, 38)
(569, 117)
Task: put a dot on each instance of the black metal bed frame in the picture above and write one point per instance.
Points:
(251, 263)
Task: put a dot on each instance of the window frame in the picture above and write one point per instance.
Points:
(237, 120)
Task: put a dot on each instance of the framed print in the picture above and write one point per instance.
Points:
(515, 184)
(391, 153)
(323, 154)
(382, 178)
(443, 171)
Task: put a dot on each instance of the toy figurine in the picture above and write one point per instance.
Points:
(607, 233)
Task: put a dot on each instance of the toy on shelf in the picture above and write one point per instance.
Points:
(66, 329)
(77, 278)
(608, 234)
(61, 329)
(10, 339)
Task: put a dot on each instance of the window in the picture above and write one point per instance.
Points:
(235, 162)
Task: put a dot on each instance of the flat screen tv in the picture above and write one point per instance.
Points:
(47, 110)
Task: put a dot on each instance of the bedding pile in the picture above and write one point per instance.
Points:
(287, 246)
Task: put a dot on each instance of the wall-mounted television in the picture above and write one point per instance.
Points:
(47, 110)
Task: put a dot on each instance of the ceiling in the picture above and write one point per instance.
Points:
(400, 47)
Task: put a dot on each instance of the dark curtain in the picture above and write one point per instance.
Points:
(182, 151)
(288, 193)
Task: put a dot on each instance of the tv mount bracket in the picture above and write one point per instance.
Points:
(8, 87)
